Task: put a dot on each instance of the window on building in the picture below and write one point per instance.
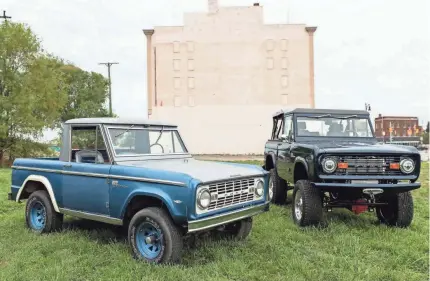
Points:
(284, 81)
(284, 63)
(176, 65)
(190, 46)
(177, 83)
(191, 83)
(270, 45)
(176, 47)
(270, 63)
(191, 65)
(284, 44)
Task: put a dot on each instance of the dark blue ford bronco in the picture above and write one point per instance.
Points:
(331, 159)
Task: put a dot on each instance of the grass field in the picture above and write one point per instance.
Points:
(350, 248)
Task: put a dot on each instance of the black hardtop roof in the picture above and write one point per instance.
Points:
(320, 111)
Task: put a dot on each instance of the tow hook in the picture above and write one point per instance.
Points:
(372, 192)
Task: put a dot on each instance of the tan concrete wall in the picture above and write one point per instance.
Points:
(223, 74)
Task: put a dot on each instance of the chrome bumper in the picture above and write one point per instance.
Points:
(221, 219)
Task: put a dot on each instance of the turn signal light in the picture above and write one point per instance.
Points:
(394, 166)
(342, 165)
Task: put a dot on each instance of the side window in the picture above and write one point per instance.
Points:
(277, 128)
(88, 146)
(288, 126)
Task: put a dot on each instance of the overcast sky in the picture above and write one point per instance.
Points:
(375, 51)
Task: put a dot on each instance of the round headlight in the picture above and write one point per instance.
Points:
(259, 188)
(329, 165)
(203, 199)
(407, 165)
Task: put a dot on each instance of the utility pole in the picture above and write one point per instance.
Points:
(4, 17)
(109, 64)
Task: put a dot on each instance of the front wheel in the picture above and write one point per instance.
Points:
(399, 211)
(239, 230)
(277, 188)
(307, 204)
(153, 237)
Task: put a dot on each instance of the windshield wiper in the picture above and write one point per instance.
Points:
(126, 131)
(348, 117)
(321, 116)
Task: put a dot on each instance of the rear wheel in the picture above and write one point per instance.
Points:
(307, 204)
(40, 215)
(399, 211)
(277, 188)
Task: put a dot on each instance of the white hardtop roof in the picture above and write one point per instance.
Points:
(118, 121)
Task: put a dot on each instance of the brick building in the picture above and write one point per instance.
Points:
(401, 126)
(223, 73)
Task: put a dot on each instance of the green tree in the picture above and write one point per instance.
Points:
(86, 92)
(32, 88)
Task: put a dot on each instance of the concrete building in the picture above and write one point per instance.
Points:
(223, 74)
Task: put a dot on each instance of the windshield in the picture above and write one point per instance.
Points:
(332, 126)
(131, 141)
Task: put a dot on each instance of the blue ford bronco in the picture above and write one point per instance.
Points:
(140, 175)
(331, 159)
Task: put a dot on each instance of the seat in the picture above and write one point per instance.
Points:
(335, 129)
(301, 126)
(89, 156)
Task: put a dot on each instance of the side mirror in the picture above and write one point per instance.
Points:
(284, 137)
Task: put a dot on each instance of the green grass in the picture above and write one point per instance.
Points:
(350, 248)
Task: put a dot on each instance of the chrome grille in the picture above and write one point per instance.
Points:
(368, 165)
(228, 193)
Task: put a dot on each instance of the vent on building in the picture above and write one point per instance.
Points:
(256, 4)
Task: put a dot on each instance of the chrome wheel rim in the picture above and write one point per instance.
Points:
(270, 189)
(298, 205)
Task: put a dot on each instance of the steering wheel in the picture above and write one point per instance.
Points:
(162, 148)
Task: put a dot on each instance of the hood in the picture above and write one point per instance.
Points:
(364, 147)
(205, 171)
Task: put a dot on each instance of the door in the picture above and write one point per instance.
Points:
(85, 178)
(285, 160)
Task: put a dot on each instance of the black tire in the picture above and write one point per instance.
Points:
(399, 212)
(169, 240)
(239, 230)
(308, 211)
(40, 215)
(279, 187)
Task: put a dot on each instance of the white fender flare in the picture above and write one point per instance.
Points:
(43, 181)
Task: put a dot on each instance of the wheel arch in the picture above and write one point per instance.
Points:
(33, 183)
(139, 200)
(269, 161)
(301, 169)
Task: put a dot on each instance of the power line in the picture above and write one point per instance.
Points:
(109, 64)
(4, 17)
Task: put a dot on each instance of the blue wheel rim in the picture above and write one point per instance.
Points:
(38, 216)
(149, 240)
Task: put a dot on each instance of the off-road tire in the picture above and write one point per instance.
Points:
(280, 188)
(53, 220)
(312, 208)
(239, 230)
(399, 212)
(173, 241)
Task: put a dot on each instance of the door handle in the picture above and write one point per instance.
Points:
(67, 166)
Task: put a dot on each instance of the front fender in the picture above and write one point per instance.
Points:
(173, 197)
(302, 161)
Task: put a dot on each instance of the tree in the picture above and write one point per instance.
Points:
(86, 94)
(32, 89)
(428, 127)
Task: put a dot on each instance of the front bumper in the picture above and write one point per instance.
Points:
(399, 187)
(221, 219)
